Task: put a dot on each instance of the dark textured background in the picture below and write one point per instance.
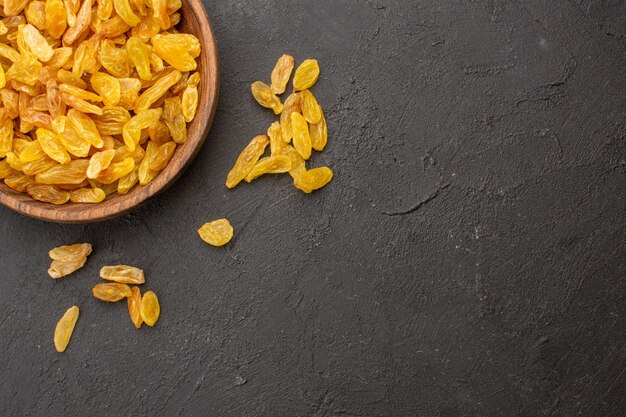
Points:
(467, 260)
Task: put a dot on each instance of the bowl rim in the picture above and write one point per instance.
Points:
(198, 129)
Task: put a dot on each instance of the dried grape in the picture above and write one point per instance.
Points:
(306, 75)
(269, 165)
(123, 274)
(134, 306)
(282, 73)
(216, 233)
(263, 94)
(111, 292)
(311, 110)
(301, 135)
(65, 328)
(150, 309)
(247, 160)
(292, 105)
(70, 253)
(313, 179)
(319, 134)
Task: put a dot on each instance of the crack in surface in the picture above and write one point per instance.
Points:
(420, 204)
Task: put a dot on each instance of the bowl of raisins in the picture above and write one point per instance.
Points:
(104, 104)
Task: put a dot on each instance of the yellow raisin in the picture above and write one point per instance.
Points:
(85, 127)
(306, 75)
(146, 29)
(298, 165)
(125, 11)
(159, 132)
(301, 135)
(150, 309)
(37, 44)
(69, 138)
(134, 307)
(83, 19)
(313, 179)
(123, 274)
(311, 110)
(174, 119)
(60, 269)
(139, 54)
(269, 165)
(162, 156)
(319, 134)
(247, 160)
(25, 70)
(5, 169)
(87, 195)
(177, 49)
(31, 152)
(189, 102)
(108, 87)
(292, 105)
(105, 8)
(73, 173)
(36, 14)
(115, 60)
(276, 139)
(70, 253)
(38, 166)
(111, 292)
(6, 136)
(99, 162)
(282, 73)
(158, 89)
(129, 181)
(145, 174)
(80, 104)
(52, 146)
(48, 194)
(132, 129)
(263, 94)
(216, 233)
(116, 171)
(56, 20)
(19, 182)
(112, 120)
(65, 328)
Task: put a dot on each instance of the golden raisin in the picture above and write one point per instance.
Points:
(247, 160)
(111, 292)
(65, 328)
(99, 162)
(216, 233)
(150, 308)
(70, 253)
(306, 75)
(269, 165)
(48, 194)
(123, 274)
(301, 135)
(313, 179)
(311, 110)
(60, 269)
(292, 105)
(319, 134)
(87, 195)
(134, 306)
(282, 73)
(263, 94)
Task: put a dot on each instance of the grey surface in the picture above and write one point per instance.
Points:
(467, 260)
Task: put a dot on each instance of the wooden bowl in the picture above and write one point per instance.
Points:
(194, 20)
